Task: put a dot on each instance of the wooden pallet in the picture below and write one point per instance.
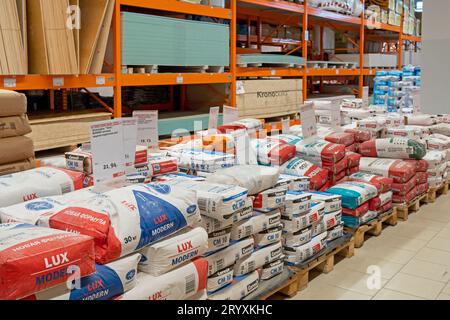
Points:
(373, 228)
(155, 69)
(324, 263)
(331, 65)
(433, 193)
(404, 210)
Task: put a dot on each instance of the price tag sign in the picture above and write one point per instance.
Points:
(213, 117)
(335, 116)
(100, 81)
(286, 126)
(180, 79)
(240, 87)
(108, 154)
(147, 128)
(365, 97)
(9, 82)
(129, 142)
(308, 117)
(58, 82)
(240, 143)
(416, 103)
(230, 114)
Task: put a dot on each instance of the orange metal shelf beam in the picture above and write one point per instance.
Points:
(160, 79)
(412, 38)
(382, 26)
(47, 82)
(269, 72)
(332, 72)
(280, 5)
(329, 15)
(180, 7)
(270, 41)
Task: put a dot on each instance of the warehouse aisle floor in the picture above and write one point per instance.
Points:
(413, 260)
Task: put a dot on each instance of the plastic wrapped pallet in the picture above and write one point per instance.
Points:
(227, 257)
(255, 224)
(253, 178)
(125, 220)
(296, 255)
(258, 259)
(296, 166)
(354, 193)
(393, 148)
(34, 259)
(178, 284)
(238, 289)
(108, 281)
(37, 183)
(400, 171)
(171, 253)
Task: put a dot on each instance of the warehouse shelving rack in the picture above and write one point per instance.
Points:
(274, 11)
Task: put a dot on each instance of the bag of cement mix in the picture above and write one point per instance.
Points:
(394, 148)
(217, 201)
(171, 253)
(126, 220)
(253, 178)
(296, 166)
(421, 119)
(36, 183)
(238, 289)
(354, 193)
(12, 103)
(358, 212)
(255, 224)
(421, 165)
(441, 128)
(345, 138)
(321, 152)
(199, 160)
(269, 200)
(400, 171)
(272, 152)
(385, 183)
(18, 166)
(337, 167)
(406, 132)
(219, 240)
(434, 159)
(398, 198)
(402, 189)
(334, 179)
(298, 238)
(297, 255)
(34, 259)
(360, 135)
(220, 279)
(438, 142)
(331, 220)
(435, 182)
(224, 258)
(330, 202)
(353, 159)
(177, 176)
(422, 188)
(385, 197)
(258, 259)
(335, 233)
(296, 203)
(271, 269)
(293, 183)
(14, 126)
(318, 228)
(267, 237)
(294, 223)
(178, 284)
(108, 281)
(374, 204)
(16, 149)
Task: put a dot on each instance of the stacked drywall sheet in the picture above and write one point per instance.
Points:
(371, 60)
(244, 59)
(161, 41)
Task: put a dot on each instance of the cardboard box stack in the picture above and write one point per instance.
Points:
(16, 150)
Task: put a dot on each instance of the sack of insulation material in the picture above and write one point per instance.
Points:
(258, 259)
(385, 183)
(399, 170)
(178, 284)
(169, 254)
(251, 177)
(200, 160)
(321, 152)
(299, 167)
(239, 288)
(124, 220)
(354, 193)
(297, 255)
(255, 224)
(108, 281)
(272, 152)
(31, 211)
(37, 183)
(393, 148)
(224, 258)
(217, 201)
(34, 259)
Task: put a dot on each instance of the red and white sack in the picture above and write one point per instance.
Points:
(402, 189)
(125, 220)
(438, 142)
(171, 253)
(269, 200)
(352, 148)
(421, 165)
(360, 135)
(178, 284)
(374, 204)
(321, 152)
(34, 259)
(423, 187)
(407, 132)
(398, 170)
(352, 170)
(441, 128)
(345, 138)
(272, 152)
(386, 207)
(38, 183)
(434, 159)
(385, 183)
(393, 148)
(162, 165)
(397, 198)
(353, 159)
(336, 167)
(334, 178)
(386, 197)
(421, 119)
(358, 212)
(300, 167)
(422, 177)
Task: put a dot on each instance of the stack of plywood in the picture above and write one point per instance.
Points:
(68, 36)
(13, 35)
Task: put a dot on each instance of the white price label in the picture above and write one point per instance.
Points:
(180, 79)
(337, 71)
(108, 155)
(335, 116)
(9, 83)
(58, 82)
(213, 117)
(241, 140)
(416, 103)
(308, 118)
(100, 81)
(240, 87)
(274, 72)
(230, 114)
(286, 126)
(365, 96)
(147, 134)
(129, 142)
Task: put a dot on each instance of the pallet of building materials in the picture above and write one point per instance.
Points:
(154, 69)
(372, 228)
(405, 209)
(331, 65)
(324, 261)
(269, 60)
(434, 193)
(371, 60)
(285, 284)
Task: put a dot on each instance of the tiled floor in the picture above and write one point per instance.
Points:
(410, 261)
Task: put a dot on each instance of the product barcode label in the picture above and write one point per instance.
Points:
(220, 264)
(251, 266)
(248, 231)
(202, 203)
(66, 188)
(190, 283)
